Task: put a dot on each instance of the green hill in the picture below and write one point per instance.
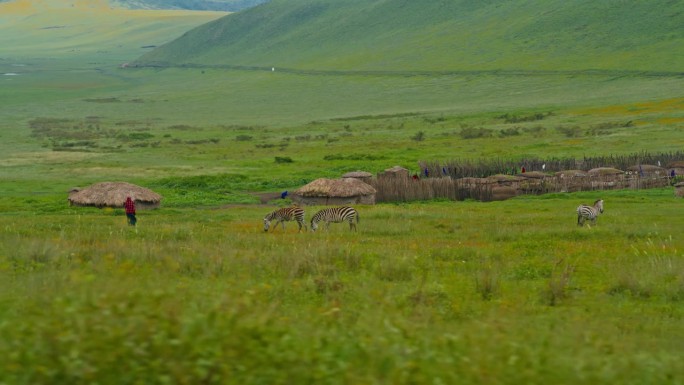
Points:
(88, 31)
(437, 35)
(204, 5)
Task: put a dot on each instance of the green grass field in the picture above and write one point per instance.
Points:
(436, 292)
(457, 292)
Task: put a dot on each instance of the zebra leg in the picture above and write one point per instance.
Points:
(580, 222)
(352, 226)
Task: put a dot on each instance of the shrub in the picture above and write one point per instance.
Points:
(283, 159)
(570, 131)
(419, 136)
(474, 133)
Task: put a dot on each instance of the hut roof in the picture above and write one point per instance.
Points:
(475, 181)
(602, 171)
(341, 188)
(533, 175)
(505, 178)
(396, 169)
(112, 194)
(645, 167)
(571, 173)
(357, 174)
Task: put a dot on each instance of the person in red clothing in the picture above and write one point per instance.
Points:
(130, 211)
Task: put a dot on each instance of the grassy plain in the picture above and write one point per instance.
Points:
(436, 292)
(444, 292)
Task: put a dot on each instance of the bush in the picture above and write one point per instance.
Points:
(283, 159)
(474, 133)
(570, 131)
(419, 136)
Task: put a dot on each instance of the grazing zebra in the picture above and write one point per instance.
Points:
(283, 215)
(335, 214)
(586, 212)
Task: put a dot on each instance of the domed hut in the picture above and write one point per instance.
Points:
(605, 172)
(647, 170)
(363, 176)
(113, 194)
(396, 172)
(572, 180)
(342, 191)
(607, 178)
(676, 166)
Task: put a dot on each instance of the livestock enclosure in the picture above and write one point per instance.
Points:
(501, 186)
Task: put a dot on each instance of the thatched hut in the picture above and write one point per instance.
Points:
(676, 166)
(397, 172)
(113, 194)
(473, 183)
(605, 172)
(506, 180)
(533, 175)
(335, 192)
(571, 174)
(363, 176)
(647, 170)
(572, 180)
(607, 178)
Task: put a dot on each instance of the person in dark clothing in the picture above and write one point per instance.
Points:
(129, 205)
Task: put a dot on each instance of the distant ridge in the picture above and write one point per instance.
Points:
(397, 36)
(195, 5)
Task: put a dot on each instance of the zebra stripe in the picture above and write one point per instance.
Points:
(586, 212)
(284, 215)
(337, 215)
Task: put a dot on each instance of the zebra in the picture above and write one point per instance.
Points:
(586, 212)
(283, 215)
(337, 215)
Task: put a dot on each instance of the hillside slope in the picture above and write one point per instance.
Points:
(197, 5)
(92, 28)
(437, 35)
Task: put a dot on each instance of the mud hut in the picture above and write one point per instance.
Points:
(506, 180)
(113, 194)
(605, 172)
(396, 172)
(571, 174)
(647, 170)
(363, 176)
(572, 180)
(607, 178)
(677, 167)
(342, 191)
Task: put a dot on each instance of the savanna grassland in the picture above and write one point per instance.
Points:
(435, 292)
